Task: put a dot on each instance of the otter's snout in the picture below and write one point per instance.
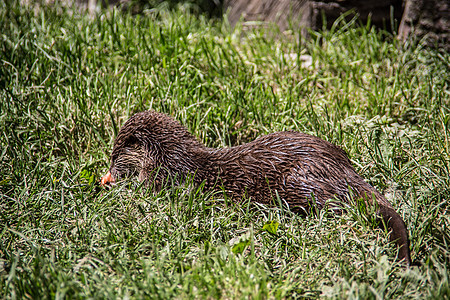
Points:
(107, 179)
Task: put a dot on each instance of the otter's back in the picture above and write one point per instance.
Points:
(294, 165)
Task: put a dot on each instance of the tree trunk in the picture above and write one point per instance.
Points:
(429, 19)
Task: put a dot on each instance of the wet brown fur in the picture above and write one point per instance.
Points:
(291, 164)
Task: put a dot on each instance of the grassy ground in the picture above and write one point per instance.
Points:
(69, 81)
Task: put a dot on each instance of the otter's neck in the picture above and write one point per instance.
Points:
(211, 164)
(189, 157)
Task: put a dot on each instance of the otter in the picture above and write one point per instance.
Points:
(302, 170)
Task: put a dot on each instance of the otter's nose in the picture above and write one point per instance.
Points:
(107, 179)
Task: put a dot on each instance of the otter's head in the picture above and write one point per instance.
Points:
(132, 154)
(151, 146)
(129, 158)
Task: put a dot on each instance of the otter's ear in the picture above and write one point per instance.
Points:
(143, 176)
(150, 179)
(147, 168)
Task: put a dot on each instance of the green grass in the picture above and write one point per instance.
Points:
(69, 81)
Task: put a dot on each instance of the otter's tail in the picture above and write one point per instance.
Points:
(398, 232)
